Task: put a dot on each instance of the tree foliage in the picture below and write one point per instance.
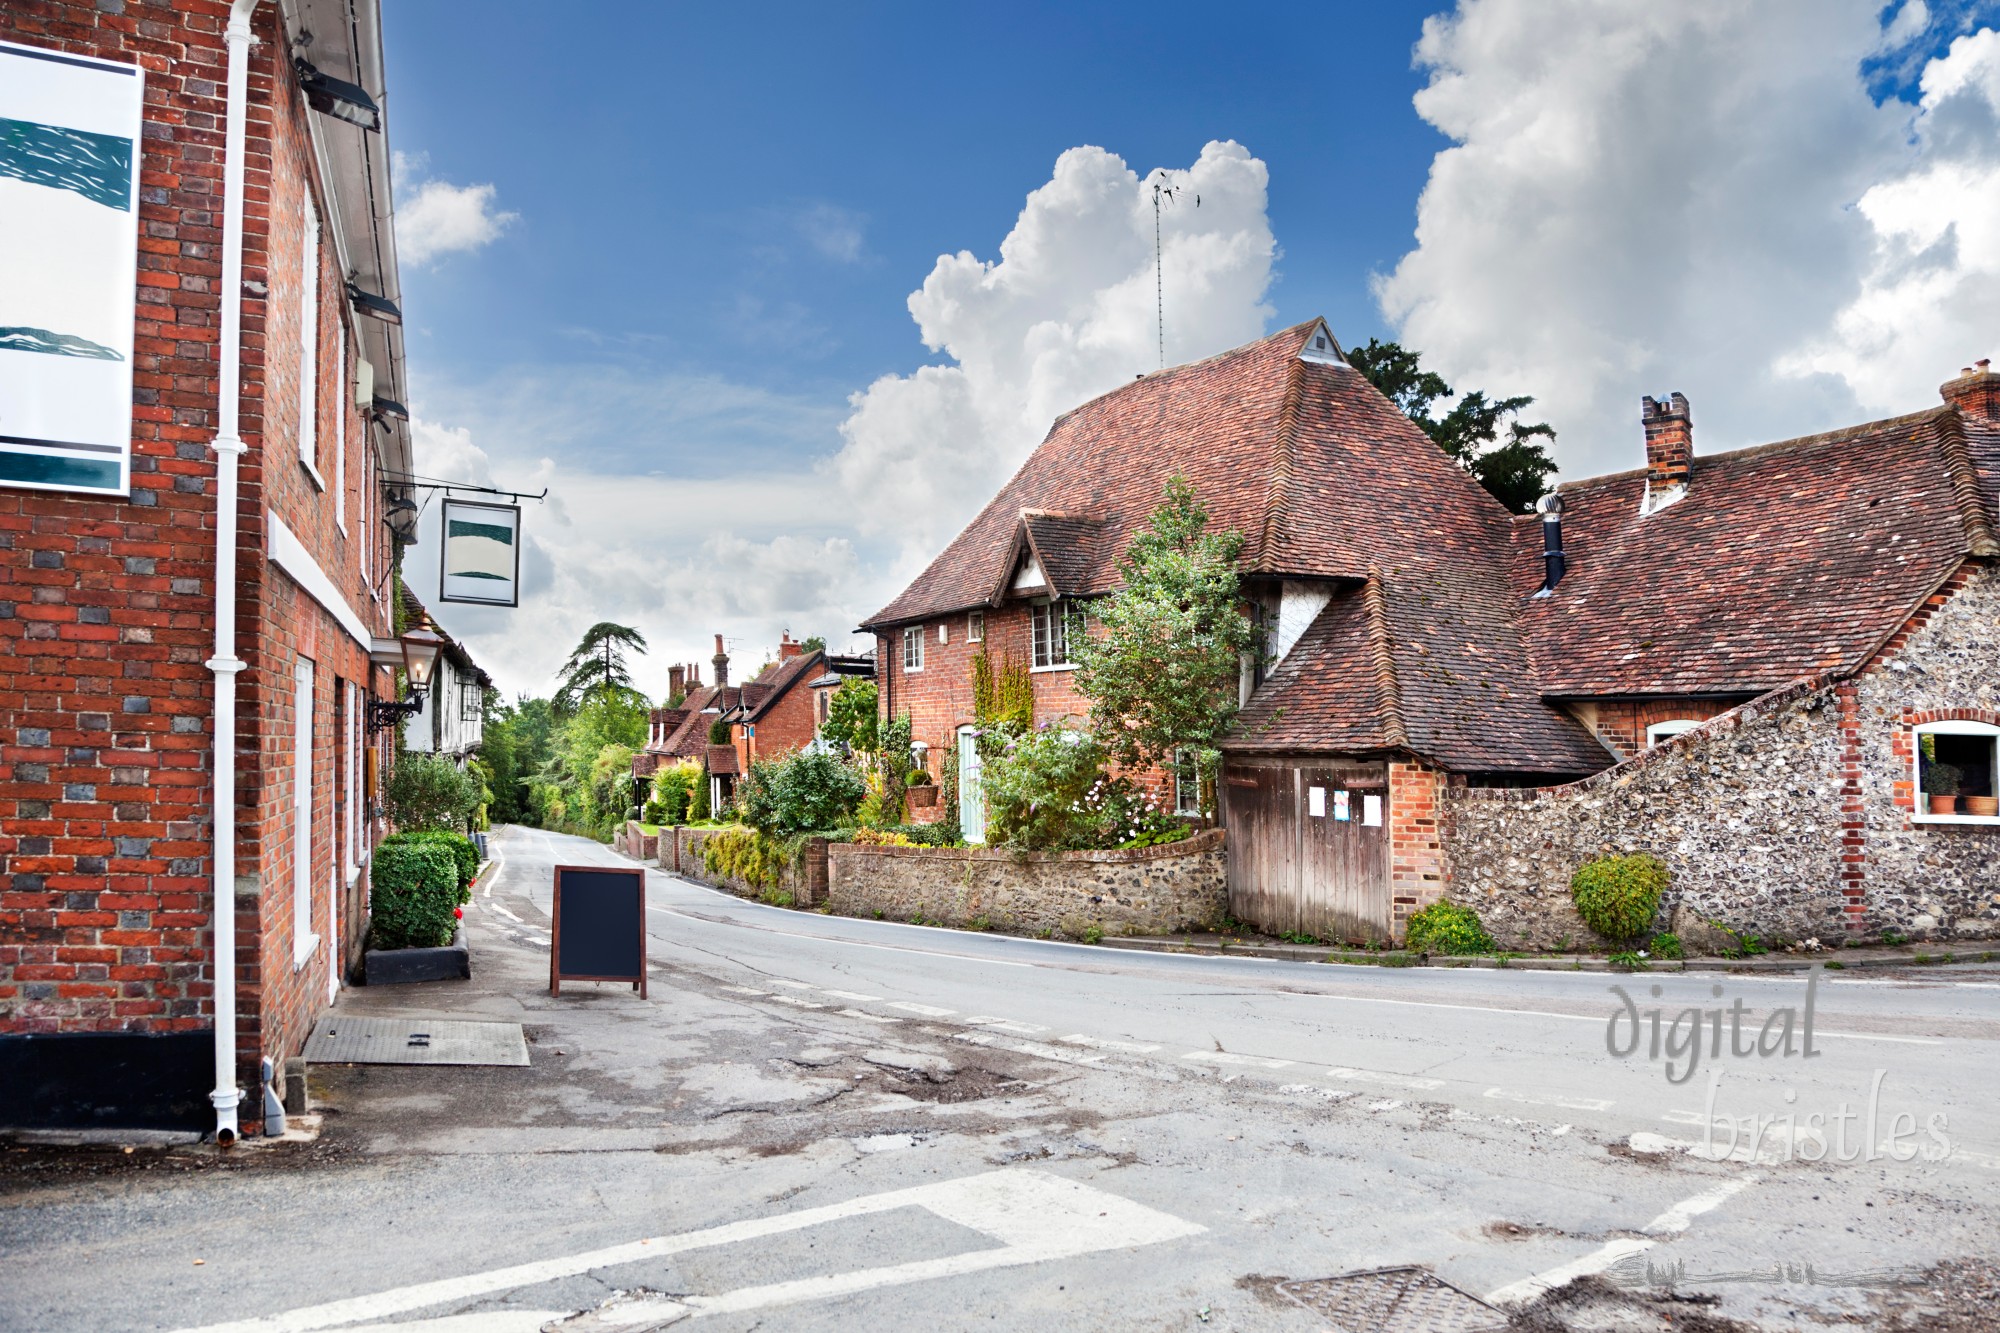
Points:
(850, 715)
(1515, 471)
(597, 665)
(1162, 673)
(428, 791)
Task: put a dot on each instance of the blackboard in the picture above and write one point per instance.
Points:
(599, 931)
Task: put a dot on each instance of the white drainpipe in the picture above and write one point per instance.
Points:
(225, 664)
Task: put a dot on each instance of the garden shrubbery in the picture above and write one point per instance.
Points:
(672, 795)
(414, 895)
(1447, 928)
(802, 792)
(1618, 896)
(428, 791)
(464, 853)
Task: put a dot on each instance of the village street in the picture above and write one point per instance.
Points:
(1183, 1134)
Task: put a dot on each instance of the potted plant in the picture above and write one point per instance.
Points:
(1987, 806)
(919, 792)
(1941, 787)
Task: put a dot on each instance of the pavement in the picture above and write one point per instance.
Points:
(814, 1122)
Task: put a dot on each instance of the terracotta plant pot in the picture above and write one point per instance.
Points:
(1943, 805)
(920, 798)
(1988, 806)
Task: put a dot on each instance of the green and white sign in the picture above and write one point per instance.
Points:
(69, 256)
(482, 553)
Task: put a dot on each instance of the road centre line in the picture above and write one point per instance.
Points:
(1565, 1103)
(926, 1010)
(1006, 1024)
(1021, 1046)
(1231, 1058)
(1670, 1223)
(1130, 1047)
(1036, 1217)
(848, 995)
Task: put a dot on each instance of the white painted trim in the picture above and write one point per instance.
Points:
(1059, 666)
(1983, 821)
(288, 553)
(1921, 814)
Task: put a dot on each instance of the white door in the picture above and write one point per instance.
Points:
(971, 798)
(303, 938)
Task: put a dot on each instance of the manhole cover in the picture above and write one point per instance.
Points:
(1394, 1300)
(345, 1040)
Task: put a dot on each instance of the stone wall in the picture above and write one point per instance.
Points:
(1147, 891)
(679, 850)
(1786, 816)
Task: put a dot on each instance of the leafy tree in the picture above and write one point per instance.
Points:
(1162, 675)
(1515, 472)
(850, 715)
(1046, 790)
(428, 791)
(813, 643)
(597, 665)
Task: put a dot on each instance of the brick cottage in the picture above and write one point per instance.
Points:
(1446, 684)
(186, 672)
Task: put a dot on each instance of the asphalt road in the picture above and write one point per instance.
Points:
(815, 1121)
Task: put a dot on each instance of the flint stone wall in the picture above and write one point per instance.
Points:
(1746, 810)
(1146, 891)
(679, 850)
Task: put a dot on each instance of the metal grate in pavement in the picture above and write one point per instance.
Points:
(344, 1039)
(1394, 1300)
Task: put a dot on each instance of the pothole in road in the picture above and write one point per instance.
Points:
(948, 1085)
(1393, 1300)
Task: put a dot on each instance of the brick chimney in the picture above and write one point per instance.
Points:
(721, 660)
(1976, 392)
(676, 681)
(788, 647)
(1669, 449)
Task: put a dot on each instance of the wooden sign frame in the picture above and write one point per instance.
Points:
(556, 975)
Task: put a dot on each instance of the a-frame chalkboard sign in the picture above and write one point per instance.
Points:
(599, 927)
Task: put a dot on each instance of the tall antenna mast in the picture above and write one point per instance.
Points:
(1161, 188)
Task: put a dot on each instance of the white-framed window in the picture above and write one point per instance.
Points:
(913, 648)
(303, 938)
(1660, 731)
(1054, 625)
(309, 342)
(340, 410)
(1957, 764)
(1187, 783)
(975, 627)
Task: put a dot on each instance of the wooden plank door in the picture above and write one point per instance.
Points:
(1257, 807)
(1343, 822)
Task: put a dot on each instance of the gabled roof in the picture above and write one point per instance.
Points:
(690, 738)
(1780, 562)
(1319, 472)
(720, 759)
(778, 682)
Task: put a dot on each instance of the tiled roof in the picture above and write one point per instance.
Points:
(721, 759)
(690, 739)
(787, 673)
(1780, 561)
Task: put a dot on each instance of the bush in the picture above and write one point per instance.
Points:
(698, 809)
(413, 896)
(464, 853)
(804, 791)
(745, 854)
(673, 793)
(1617, 895)
(1447, 928)
(1046, 790)
(428, 791)
(1666, 944)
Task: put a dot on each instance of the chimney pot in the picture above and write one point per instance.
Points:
(788, 646)
(1669, 428)
(721, 661)
(1976, 392)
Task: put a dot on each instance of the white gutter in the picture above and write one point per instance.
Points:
(225, 664)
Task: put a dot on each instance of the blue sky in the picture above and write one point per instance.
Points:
(663, 258)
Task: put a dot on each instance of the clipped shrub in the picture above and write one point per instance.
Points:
(1447, 928)
(1617, 896)
(429, 791)
(414, 896)
(464, 853)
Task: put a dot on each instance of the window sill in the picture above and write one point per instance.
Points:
(1986, 821)
(912, 671)
(1060, 666)
(313, 472)
(303, 951)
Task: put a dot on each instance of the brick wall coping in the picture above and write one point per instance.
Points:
(1207, 840)
(1722, 724)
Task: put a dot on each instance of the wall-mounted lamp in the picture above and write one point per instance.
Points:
(389, 407)
(375, 307)
(337, 97)
(416, 653)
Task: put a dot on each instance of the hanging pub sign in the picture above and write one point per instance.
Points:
(482, 553)
(69, 257)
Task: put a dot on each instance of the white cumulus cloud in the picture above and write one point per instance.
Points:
(1704, 197)
(439, 218)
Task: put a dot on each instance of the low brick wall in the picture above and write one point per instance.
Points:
(637, 842)
(1148, 891)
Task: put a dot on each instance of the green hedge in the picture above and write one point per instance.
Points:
(1447, 928)
(1617, 896)
(464, 853)
(414, 896)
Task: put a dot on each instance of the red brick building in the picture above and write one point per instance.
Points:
(1420, 639)
(186, 675)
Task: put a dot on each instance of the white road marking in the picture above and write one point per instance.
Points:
(1670, 1223)
(1025, 1047)
(1231, 1058)
(848, 994)
(927, 1010)
(1007, 1024)
(1034, 1217)
(1386, 1080)
(504, 912)
(745, 990)
(1566, 1103)
(795, 985)
(795, 1002)
(1388, 1105)
(1101, 1043)
(863, 1013)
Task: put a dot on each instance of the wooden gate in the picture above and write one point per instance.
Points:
(1309, 847)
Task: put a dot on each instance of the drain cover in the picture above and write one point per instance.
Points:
(346, 1040)
(1394, 1300)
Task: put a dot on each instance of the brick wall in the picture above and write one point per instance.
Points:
(786, 726)
(1623, 722)
(1416, 842)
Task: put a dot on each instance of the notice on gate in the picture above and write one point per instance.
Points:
(1371, 808)
(1340, 809)
(1316, 802)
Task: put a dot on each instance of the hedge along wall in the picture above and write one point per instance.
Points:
(679, 850)
(1146, 891)
(1787, 816)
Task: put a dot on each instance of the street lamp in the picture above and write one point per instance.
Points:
(416, 653)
